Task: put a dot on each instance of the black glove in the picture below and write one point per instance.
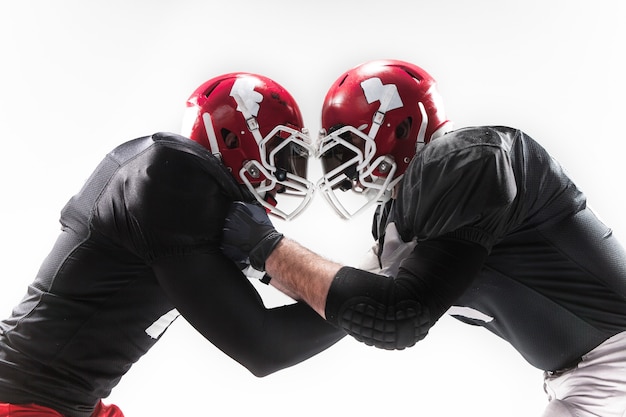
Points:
(249, 236)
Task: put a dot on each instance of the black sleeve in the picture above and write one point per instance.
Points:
(396, 313)
(219, 301)
(173, 212)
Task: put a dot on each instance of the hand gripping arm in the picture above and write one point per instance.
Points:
(249, 236)
(389, 313)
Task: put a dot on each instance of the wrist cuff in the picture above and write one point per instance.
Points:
(263, 249)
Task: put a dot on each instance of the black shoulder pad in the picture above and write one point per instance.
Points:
(218, 170)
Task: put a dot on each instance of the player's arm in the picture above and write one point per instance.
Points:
(395, 313)
(175, 210)
(297, 270)
(455, 231)
(218, 301)
(378, 310)
(249, 238)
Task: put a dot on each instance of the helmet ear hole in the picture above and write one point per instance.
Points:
(404, 128)
(230, 139)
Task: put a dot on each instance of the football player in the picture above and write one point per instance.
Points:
(139, 246)
(479, 222)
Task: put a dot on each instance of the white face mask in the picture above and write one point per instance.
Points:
(347, 156)
(284, 161)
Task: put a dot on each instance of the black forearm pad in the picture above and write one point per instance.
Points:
(367, 307)
(397, 313)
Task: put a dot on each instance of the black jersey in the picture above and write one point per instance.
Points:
(505, 240)
(554, 281)
(139, 246)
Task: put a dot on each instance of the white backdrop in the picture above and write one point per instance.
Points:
(79, 77)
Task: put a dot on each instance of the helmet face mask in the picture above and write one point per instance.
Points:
(254, 126)
(281, 170)
(349, 163)
(379, 115)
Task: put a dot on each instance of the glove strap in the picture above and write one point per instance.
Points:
(262, 251)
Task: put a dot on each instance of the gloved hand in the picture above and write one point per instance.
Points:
(249, 235)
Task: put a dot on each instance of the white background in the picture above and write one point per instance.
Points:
(79, 77)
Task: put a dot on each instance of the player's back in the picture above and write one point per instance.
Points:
(95, 306)
(554, 283)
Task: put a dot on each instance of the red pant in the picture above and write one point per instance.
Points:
(33, 410)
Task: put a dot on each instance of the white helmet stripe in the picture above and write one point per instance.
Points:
(210, 132)
(421, 134)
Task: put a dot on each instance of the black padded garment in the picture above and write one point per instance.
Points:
(552, 280)
(139, 246)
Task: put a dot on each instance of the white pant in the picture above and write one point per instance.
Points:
(595, 388)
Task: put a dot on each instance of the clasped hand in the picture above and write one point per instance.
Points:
(249, 236)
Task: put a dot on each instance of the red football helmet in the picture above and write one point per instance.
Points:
(375, 117)
(255, 127)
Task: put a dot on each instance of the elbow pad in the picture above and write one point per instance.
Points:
(395, 313)
(377, 316)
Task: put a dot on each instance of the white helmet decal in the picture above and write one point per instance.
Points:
(247, 99)
(387, 94)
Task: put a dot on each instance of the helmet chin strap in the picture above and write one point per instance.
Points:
(379, 116)
(253, 125)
